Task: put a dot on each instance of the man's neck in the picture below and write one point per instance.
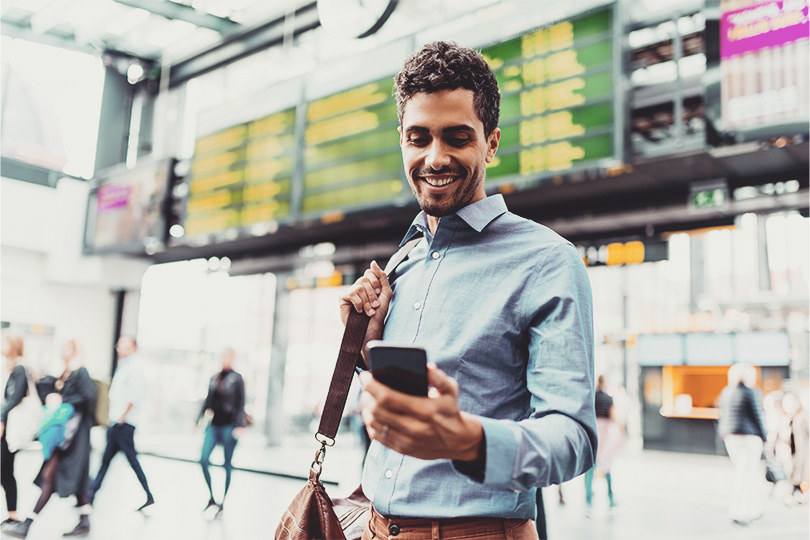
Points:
(433, 224)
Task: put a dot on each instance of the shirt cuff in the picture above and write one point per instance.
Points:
(500, 453)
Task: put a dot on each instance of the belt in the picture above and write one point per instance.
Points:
(432, 528)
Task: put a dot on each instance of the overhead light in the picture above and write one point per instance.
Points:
(134, 73)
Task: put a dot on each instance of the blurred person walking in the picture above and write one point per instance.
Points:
(226, 400)
(127, 394)
(799, 438)
(609, 438)
(66, 467)
(743, 432)
(16, 387)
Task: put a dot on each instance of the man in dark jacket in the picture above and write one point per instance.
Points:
(226, 400)
(743, 432)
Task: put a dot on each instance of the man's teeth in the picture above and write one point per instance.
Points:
(439, 182)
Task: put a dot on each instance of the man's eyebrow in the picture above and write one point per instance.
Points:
(460, 127)
(449, 129)
(417, 129)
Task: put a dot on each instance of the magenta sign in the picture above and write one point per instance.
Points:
(112, 197)
(761, 26)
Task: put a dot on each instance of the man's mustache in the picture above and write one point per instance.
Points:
(430, 171)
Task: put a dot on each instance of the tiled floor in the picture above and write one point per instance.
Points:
(660, 496)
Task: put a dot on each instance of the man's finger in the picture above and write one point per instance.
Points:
(441, 381)
(385, 286)
(371, 295)
(373, 279)
(393, 400)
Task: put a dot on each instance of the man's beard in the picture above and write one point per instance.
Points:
(452, 202)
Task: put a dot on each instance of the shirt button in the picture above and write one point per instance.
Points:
(393, 530)
(435, 255)
(417, 305)
(389, 473)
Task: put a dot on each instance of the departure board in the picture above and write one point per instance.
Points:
(351, 150)
(556, 97)
(242, 175)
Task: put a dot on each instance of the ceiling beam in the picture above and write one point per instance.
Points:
(180, 12)
(64, 40)
(55, 38)
(244, 42)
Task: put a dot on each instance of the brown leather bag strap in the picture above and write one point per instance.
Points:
(348, 357)
(344, 371)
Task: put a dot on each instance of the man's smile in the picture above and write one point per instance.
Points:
(439, 180)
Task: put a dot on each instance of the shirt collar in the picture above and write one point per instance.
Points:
(477, 215)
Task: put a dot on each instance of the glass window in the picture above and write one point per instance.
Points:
(51, 106)
(189, 312)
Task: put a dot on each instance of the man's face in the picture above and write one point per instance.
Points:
(444, 150)
(125, 347)
(227, 357)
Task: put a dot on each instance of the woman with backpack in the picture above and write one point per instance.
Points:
(67, 470)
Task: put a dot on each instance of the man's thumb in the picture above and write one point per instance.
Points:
(441, 381)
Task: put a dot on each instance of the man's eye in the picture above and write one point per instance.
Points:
(418, 141)
(459, 141)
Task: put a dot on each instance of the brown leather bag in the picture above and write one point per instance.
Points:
(312, 515)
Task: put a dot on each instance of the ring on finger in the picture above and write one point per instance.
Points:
(384, 431)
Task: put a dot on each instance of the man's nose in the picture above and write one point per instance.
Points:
(437, 156)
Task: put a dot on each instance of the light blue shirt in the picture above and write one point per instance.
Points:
(128, 386)
(503, 305)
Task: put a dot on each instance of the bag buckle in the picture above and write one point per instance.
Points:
(317, 463)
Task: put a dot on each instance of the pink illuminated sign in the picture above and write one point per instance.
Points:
(760, 26)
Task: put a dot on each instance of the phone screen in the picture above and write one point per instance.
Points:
(402, 368)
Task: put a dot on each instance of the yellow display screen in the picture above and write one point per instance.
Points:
(557, 115)
(556, 97)
(351, 150)
(242, 175)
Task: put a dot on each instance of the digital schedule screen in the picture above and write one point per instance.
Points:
(242, 175)
(126, 208)
(557, 98)
(351, 150)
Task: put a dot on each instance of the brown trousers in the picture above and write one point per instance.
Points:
(381, 528)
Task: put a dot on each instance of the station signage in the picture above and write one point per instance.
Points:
(624, 253)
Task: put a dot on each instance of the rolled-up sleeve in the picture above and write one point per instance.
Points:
(557, 441)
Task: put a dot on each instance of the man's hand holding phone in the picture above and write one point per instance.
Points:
(429, 427)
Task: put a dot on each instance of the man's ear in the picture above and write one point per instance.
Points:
(492, 144)
(401, 140)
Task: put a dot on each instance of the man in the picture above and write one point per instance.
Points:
(127, 393)
(503, 307)
(607, 430)
(743, 431)
(226, 401)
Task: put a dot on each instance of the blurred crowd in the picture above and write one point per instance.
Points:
(765, 437)
(59, 411)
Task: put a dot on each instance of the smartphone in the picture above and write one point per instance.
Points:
(403, 368)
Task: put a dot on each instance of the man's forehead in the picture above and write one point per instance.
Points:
(441, 109)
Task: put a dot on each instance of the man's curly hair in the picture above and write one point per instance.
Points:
(445, 65)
